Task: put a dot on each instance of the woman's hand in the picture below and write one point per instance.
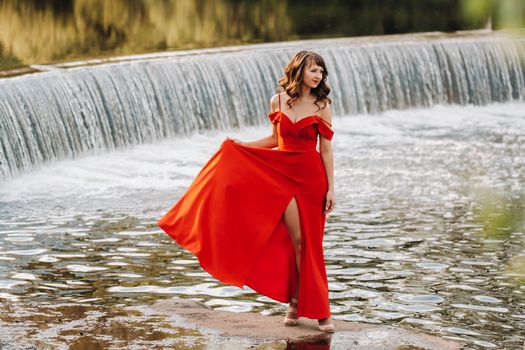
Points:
(330, 202)
(235, 140)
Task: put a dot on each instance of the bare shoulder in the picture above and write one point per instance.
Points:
(274, 103)
(326, 112)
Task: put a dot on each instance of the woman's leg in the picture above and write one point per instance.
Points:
(293, 224)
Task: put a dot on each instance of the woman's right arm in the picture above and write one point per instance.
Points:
(268, 141)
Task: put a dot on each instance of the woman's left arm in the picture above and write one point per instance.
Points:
(325, 148)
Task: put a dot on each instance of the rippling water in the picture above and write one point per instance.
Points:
(428, 233)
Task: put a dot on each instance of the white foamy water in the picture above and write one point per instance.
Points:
(173, 163)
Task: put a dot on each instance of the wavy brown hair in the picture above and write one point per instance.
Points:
(293, 77)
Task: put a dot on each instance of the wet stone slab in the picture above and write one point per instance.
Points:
(268, 332)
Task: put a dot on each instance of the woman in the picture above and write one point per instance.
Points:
(255, 216)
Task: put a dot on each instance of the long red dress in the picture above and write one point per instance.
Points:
(231, 215)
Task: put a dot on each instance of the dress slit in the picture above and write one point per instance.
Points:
(267, 275)
(304, 247)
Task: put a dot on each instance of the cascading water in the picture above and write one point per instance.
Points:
(67, 112)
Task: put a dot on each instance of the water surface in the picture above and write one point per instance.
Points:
(428, 233)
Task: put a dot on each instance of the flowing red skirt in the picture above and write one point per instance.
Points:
(230, 218)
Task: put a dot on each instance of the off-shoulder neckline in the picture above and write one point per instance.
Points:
(303, 118)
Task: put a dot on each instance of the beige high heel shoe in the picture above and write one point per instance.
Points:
(288, 321)
(327, 328)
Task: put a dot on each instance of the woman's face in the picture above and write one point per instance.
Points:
(312, 75)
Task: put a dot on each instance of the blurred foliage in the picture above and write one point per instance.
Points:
(61, 30)
(504, 14)
(7, 61)
(503, 219)
(500, 215)
(44, 31)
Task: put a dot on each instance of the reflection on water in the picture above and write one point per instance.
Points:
(68, 29)
(428, 233)
(85, 327)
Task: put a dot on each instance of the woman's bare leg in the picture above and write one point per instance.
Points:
(293, 224)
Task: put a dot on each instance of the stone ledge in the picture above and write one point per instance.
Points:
(270, 330)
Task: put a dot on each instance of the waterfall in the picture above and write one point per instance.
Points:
(66, 112)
